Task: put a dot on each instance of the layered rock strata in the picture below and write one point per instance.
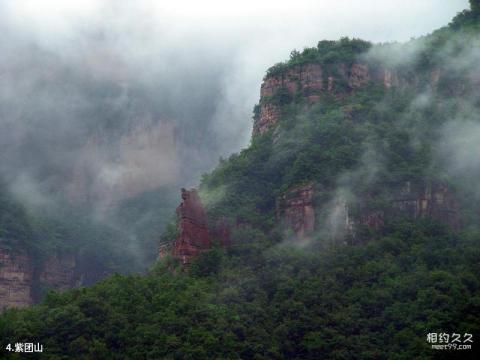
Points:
(309, 81)
(21, 276)
(193, 235)
(296, 209)
(16, 279)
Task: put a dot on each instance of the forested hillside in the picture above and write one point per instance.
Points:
(384, 137)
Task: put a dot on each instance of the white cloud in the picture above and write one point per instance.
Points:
(198, 64)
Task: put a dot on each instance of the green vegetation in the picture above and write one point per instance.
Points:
(369, 141)
(327, 52)
(267, 298)
(372, 301)
(468, 18)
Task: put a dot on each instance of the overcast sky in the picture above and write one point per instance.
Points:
(248, 36)
(195, 64)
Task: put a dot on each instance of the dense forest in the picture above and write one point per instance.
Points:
(372, 301)
(374, 296)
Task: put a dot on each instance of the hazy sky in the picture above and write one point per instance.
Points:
(245, 36)
(195, 65)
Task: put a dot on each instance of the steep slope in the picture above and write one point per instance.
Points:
(346, 138)
(352, 220)
(357, 134)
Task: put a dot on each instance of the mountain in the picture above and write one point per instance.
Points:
(66, 246)
(347, 229)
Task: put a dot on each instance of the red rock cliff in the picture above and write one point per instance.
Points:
(434, 199)
(193, 237)
(16, 279)
(296, 211)
(310, 81)
(58, 272)
(19, 277)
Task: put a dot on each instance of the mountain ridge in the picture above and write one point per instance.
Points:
(352, 224)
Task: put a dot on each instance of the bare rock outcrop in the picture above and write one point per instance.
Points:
(193, 237)
(269, 115)
(310, 81)
(296, 210)
(21, 276)
(359, 75)
(16, 279)
(431, 199)
(434, 200)
(59, 272)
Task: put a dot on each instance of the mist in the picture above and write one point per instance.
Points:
(455, 145)
(103, 101)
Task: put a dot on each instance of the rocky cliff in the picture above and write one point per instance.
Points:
(333, 93)
(193, 232)
(59, 272)
(21, 277)
(434, 199)
(301, 214)
(193, 235)
(297, 209)
(310, 81)
(16, 279)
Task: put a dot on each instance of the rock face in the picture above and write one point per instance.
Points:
(359, 75)
(193, 237)
(434, 199)
(19, 277)
(58, 272)
(310, 81)
(296, 211)
(269, 115)
(308, 78)
(16, 278)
